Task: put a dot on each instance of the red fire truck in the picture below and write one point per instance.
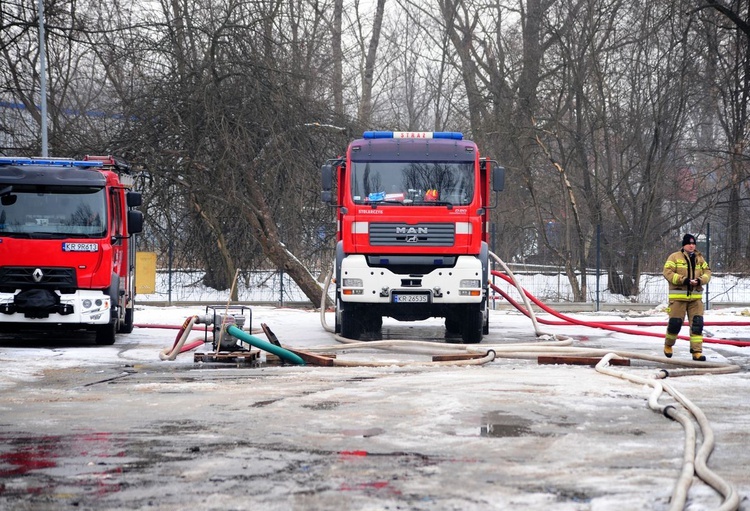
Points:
(67, 252)
(413, 217)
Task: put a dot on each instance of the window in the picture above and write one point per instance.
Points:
(409, 182)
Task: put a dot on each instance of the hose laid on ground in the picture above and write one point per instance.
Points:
(512, 279)
(180, 340)
(731, 498)
(488, 356)
(604, 326)
(692, 463)
(264, 345)
(323, 297)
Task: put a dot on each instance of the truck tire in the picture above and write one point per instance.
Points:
(472, 326)
(105, 334)
(486, 320)
(337, 318)
(452, 325)
(126, 326)
(351, 325)
(374, 323)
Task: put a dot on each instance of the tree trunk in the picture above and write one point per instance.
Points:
(365, 107)
(337, 86)
(258, 215)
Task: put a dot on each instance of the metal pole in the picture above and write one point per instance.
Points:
(492, 266)
(42, 77)
(169, 263)
(708, 259)
(598, 261)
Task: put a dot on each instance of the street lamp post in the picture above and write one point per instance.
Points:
(43, 77)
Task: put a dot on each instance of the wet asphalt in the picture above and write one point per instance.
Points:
(113, 427)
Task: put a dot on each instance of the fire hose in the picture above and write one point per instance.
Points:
(693, 462)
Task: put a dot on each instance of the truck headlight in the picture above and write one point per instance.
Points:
(469, 283)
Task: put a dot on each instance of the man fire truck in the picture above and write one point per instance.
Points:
(413, 217)
(67, 252)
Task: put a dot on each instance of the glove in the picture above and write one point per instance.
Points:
(686, 281)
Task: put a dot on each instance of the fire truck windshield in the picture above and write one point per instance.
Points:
(415, 183)
(43, 212)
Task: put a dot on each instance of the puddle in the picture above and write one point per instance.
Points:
(502, 425)
(323, 405)
(43, 458)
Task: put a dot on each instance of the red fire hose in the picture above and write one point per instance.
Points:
(567, 320)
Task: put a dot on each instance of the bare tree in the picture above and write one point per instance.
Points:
(365, 105)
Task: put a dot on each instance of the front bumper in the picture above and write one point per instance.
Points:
(87, 307)
(463, 283)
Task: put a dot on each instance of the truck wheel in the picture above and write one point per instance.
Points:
(452, 325)
(472, 326)
(374, 323)
(351, 325)
(337, 318)
(105, 334)
(126, 326)
(486, 320)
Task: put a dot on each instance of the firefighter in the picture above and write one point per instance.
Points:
(687, 272)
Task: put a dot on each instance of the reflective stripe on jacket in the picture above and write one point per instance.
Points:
(678, 268)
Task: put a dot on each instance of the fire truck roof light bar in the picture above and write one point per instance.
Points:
(451, 135)
(57, 162)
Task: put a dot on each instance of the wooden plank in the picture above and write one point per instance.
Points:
(589, 361)
(270, 335)
(314, 358)
(227, 356)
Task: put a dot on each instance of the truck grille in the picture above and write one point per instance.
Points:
(26, 277)
(423, 235)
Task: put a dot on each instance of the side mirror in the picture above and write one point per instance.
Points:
(135, 221)
(326, 178)
(134, 199)
(498, 178)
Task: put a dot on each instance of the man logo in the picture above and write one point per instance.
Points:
(411, 230)
(412, 239)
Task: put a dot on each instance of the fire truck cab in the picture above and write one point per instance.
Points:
(412, 218)
(67, 251)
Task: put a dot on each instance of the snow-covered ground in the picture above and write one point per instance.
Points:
(394, 432)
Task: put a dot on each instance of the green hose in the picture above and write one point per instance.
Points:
(264, 345)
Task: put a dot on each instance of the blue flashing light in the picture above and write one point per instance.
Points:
(453, 135)
(450, 135)
(377, 134)
(55, 162)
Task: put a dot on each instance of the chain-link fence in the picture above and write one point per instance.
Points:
(548, 284)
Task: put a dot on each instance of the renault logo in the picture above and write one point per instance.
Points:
(38, 274)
